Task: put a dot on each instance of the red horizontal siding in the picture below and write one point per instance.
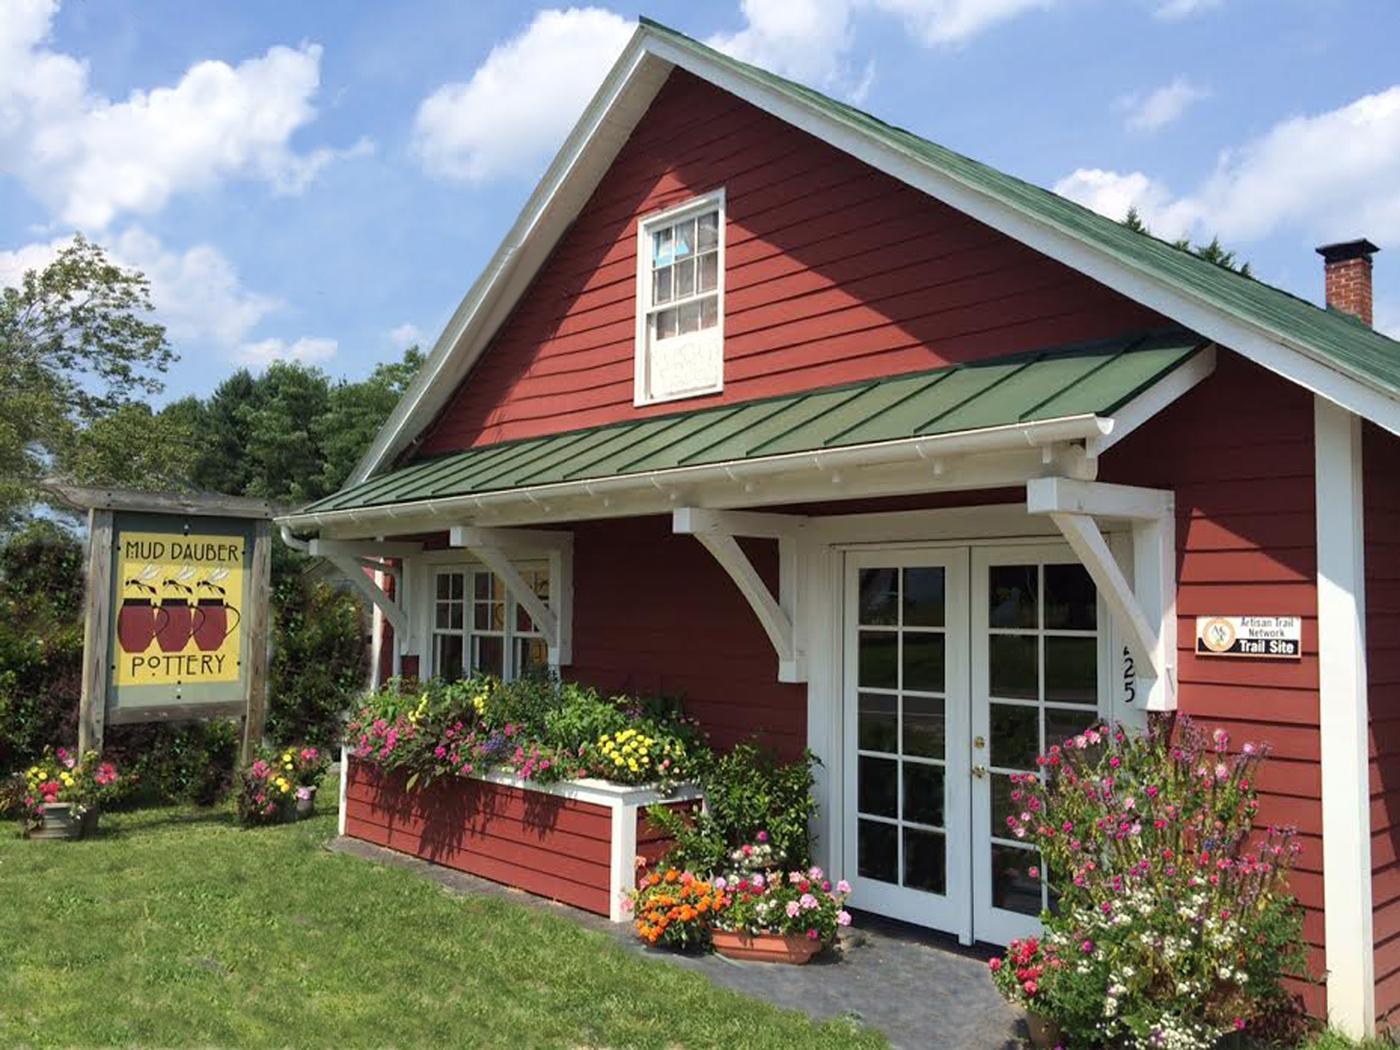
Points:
(1237, 451)
(543, 844)
(833, 273)
(1381, 499)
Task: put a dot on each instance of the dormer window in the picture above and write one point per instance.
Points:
(680, 301)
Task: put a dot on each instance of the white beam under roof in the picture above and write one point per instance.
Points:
(359, 579)
(716, 530)
(1144, 610)
(499, 549)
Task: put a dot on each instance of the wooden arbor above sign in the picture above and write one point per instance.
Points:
(177, 608)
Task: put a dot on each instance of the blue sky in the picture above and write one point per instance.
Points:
(323, 181)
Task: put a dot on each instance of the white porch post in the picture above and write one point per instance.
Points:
(1343, 721)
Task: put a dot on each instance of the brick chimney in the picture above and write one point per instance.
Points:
(1349, 276)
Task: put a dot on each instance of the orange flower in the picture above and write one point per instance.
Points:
(672, 875)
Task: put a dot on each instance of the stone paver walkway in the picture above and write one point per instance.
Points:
(920, 990)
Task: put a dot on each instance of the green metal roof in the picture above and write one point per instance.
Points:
(1087, 379)
(1340, 340)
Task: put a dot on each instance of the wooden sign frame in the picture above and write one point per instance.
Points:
(106, 509)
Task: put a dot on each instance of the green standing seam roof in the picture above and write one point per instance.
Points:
(1084, 379)
(1342, 341)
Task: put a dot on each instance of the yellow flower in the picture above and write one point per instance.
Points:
(43, 775)
(617, 761)
(632, 764)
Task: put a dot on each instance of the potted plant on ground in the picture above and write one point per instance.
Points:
(265, 791)
(304, 766)
(675, 909)
(776, 916)
(63, 792)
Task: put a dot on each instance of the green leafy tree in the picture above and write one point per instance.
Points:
(76, 347)
(1214, 252)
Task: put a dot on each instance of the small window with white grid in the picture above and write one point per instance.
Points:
(476, 624)
(680, 292)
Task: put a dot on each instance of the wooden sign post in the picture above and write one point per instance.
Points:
(177, 609)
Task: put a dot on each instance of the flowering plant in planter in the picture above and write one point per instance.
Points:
(676, 908)
(540, 729)
(62, 776)
(802, 903)
(266, 790)
(1173, 924)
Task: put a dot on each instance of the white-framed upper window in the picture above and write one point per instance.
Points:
(680, 301)
(476, 624)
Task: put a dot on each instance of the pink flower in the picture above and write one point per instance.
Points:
(812, 935)
(843, 887)
(807, 901)
(843, 918)
(792, 909)
(762, 836)
(994, 965)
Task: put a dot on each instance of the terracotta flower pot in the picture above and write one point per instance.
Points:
(766, 947)
(60, 822)
(1045, 1033)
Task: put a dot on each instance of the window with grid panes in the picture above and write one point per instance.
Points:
(475, 624)
(681, 302)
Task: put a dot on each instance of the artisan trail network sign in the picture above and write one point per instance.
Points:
(1257, 637)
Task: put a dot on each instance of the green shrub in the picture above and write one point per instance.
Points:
(188, 762)
(747, 790)
(319, 659)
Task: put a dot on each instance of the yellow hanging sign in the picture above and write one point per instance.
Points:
(179, 619)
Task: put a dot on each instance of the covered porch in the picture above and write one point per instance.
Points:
(921, 579)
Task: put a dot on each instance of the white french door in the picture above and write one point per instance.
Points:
(961, 665)
(906, 773)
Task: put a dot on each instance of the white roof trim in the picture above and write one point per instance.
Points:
(609, 119)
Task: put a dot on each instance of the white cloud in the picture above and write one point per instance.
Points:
(89, 158)
(406, 335)
(1174, 9)
(197, 293)
(956, 21)
(522, 100)
(1161, 107)
(306, 351)
(807, 40)
(1333, 175)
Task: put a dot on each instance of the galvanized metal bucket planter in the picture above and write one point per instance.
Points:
(61, 822)
(1044, 1032)
(306, 807)
(790, 948)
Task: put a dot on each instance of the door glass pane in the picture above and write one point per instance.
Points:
(1012, 595)
(878, 790)
(1072, 670)
(925, 860)
(923, 662)
(924, 598)
(876, 660)
(1013, 671)
(1071, 602)
(1013, 886)
(923, 793)
(1060, 724)
(1002, 805)
(876, 717)
(923, 726)
(877, 604)
(877, 851)
(1015, 736)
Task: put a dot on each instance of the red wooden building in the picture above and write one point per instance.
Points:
(863, 446)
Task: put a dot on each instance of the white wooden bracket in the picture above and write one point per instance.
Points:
(499, 548)
(1145, 611)
(716, 530)
(361, 580)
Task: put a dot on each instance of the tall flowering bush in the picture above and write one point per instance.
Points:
(1172, 923)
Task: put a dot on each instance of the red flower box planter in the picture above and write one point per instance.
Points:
(576, 842)
(794, 948)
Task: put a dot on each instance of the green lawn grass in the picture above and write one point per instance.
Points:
(174, 927)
